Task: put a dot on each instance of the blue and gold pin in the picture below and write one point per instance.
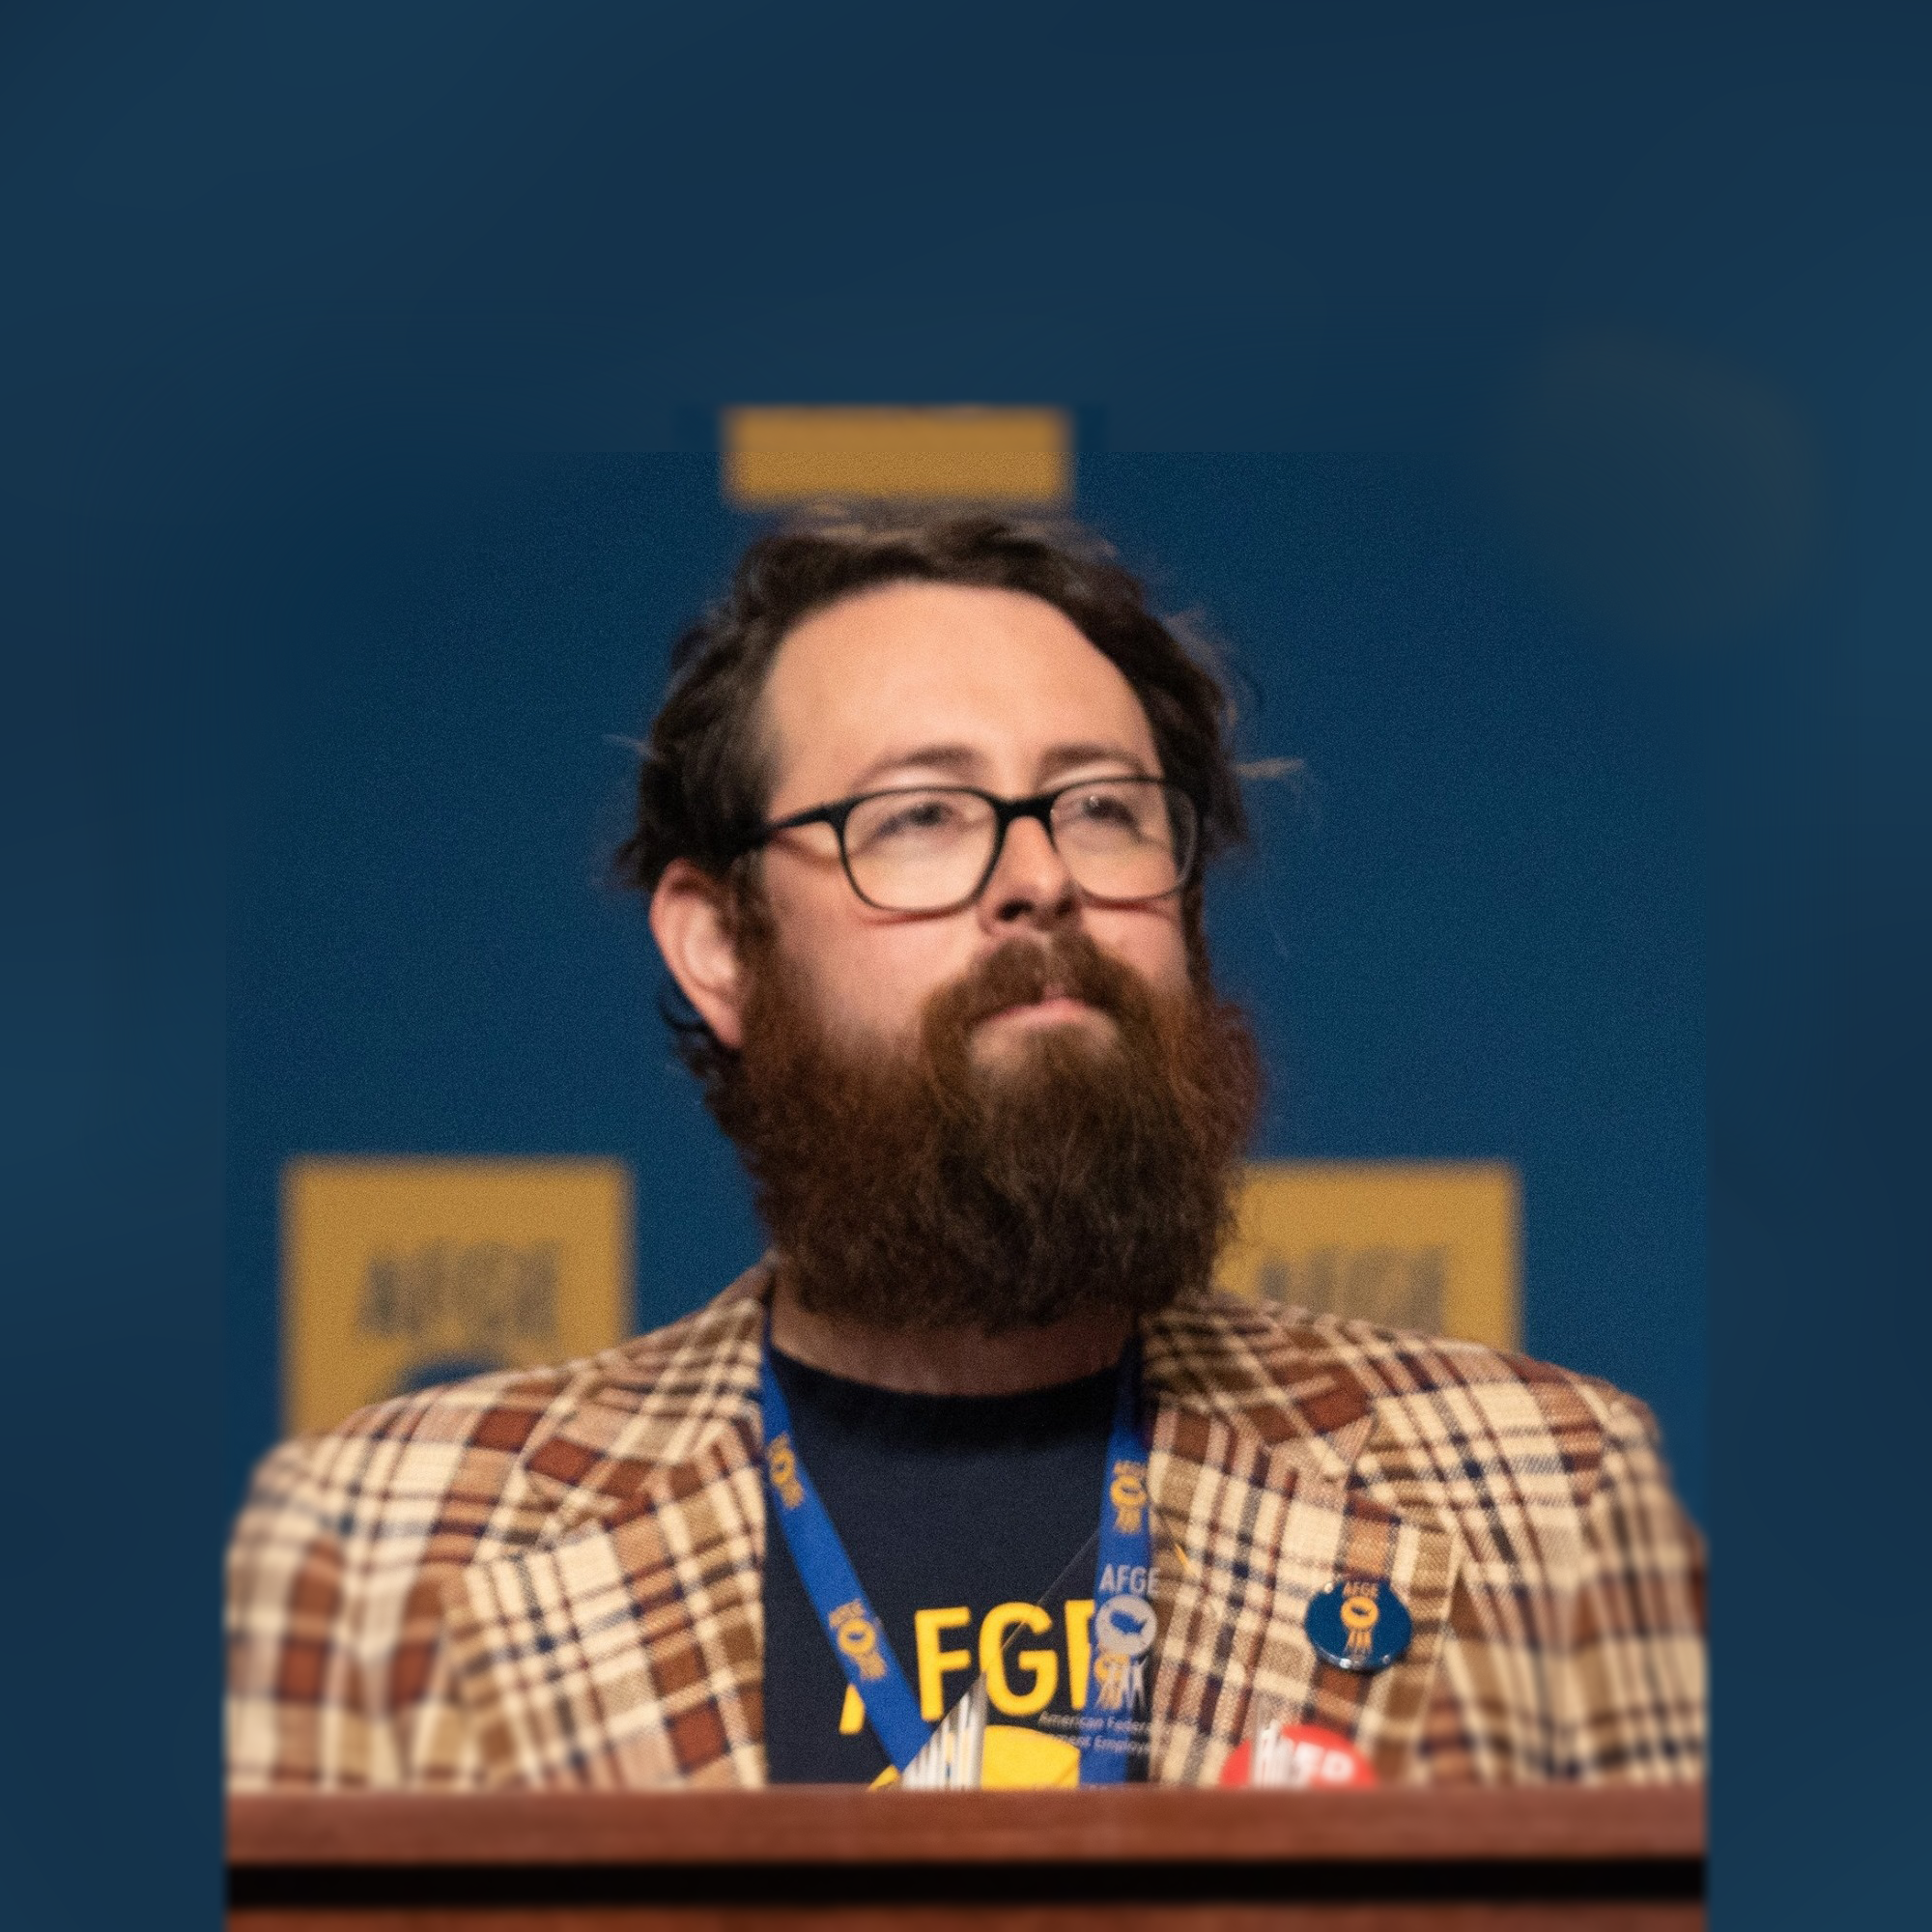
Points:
(1358, 1624)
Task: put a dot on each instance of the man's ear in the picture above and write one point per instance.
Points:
(692, 925)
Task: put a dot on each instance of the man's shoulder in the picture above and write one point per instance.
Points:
(651, 1397)
(1397, 1361)
(1420, 1401)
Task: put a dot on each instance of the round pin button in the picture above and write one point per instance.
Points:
(1358, 1624)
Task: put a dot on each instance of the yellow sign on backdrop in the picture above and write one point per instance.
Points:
(773, 457)
(1431, 1245)
(400, 1273)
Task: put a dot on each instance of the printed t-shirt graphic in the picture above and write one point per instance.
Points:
(970, 1520)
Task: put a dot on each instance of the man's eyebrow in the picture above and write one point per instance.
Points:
(1068, 758)
(963, 763)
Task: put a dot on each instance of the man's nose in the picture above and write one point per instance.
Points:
(1031, 881)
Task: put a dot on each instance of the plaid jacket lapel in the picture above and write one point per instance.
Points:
(626, 1648)
(1252, 1452)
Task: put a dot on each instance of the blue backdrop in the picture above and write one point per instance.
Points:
(253, 259)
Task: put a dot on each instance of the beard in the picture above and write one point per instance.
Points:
(920, 1189)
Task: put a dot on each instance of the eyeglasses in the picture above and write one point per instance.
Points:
(933, 848)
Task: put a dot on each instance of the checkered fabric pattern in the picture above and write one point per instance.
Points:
(553, 1577)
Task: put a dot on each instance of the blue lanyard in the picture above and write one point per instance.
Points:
(1124, 1625)
(858, 1638)
(1124, 1620)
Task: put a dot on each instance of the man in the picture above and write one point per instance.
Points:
(973, 1479)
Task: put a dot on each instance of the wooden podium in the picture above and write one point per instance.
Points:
(1128, 1859)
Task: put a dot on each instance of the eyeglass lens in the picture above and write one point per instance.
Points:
(927, 849)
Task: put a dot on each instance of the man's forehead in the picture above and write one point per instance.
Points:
(950, 679)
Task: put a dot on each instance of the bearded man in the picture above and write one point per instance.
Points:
(973, 1479)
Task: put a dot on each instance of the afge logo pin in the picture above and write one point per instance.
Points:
(1358, 1624)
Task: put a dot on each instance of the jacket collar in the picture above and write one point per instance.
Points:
(651, 1408)
(665, 1400)
(1236, 1362)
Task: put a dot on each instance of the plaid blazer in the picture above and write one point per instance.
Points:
(553, 1577)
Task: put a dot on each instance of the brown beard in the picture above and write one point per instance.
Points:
(922, 1191)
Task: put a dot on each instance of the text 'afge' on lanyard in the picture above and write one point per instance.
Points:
(1124, 1618)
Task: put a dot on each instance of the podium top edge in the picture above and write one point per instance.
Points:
(834, 1826)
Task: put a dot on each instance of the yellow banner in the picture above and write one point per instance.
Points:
(773, 457)
(1429, 1245)
(397, 1274)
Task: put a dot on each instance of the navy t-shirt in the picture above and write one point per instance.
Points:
(971, 1523)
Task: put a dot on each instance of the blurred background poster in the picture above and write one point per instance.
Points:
(400, 1274)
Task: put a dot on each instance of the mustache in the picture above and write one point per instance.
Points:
(1023, 972)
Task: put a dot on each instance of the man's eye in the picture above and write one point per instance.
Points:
(917, 818)
(923, 817)
(1109, 810)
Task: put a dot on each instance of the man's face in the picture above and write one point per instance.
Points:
(923, 684)
(989, 1118)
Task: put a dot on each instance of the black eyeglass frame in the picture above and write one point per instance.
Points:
(1006, 812)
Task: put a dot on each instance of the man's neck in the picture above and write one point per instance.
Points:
(946, 1361)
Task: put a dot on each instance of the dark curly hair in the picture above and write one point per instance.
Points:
(703, 783)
